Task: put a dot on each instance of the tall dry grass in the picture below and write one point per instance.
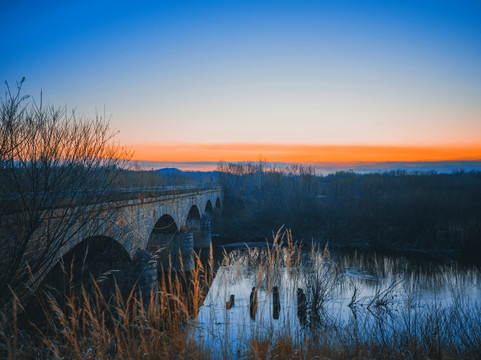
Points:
(94, 326)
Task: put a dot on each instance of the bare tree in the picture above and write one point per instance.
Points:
(56, 170)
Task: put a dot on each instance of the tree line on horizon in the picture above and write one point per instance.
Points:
(395, 210)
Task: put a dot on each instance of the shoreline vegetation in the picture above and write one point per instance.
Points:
(98, 326)
(433, 214)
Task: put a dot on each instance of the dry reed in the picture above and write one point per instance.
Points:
(93, 326)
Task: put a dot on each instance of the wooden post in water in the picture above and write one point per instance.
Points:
(229, 304)
(301, 306)
(253, 303)
(276, 304)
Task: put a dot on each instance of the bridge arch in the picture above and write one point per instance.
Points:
(165, 225)
(96, 257)
(100, 258)
(194, 213)
(199, 226)
(162, 240)
(208, 207)
(218, 204)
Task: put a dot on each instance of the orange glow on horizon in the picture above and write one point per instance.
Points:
(302, 153)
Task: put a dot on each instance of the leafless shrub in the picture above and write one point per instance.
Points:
(55, 172)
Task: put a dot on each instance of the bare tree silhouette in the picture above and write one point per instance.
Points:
(53, 165)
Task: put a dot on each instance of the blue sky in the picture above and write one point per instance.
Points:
(405, 73)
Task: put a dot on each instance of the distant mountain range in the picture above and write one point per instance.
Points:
(169, 171)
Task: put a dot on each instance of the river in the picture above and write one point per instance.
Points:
(338, 294)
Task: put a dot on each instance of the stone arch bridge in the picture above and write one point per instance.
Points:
(168, 223)
(171, 223)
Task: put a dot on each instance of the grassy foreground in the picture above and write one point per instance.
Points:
(160, 326)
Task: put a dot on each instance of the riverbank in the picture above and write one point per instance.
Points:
(353, 310)
(434, 254)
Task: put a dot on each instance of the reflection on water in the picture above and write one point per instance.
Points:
(323, 292)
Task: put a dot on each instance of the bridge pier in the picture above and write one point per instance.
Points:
(173, 251)
(146, 269)
(161, 245)
(183, 251)
(201, 230)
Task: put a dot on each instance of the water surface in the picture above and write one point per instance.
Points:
(346, 290)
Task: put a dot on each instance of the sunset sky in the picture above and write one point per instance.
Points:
(285, 81)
